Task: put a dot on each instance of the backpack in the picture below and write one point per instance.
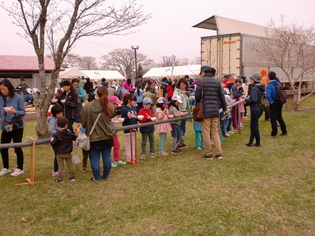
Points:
(281, 97)
(263, 102)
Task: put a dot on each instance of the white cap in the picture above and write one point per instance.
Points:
(177, 98)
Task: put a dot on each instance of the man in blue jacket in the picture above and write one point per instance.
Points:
(275, 108)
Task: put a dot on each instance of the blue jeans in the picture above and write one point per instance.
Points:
(95, 162)
(224, 124)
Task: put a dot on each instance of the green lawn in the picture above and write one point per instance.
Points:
(252, 191)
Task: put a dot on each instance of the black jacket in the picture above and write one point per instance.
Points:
(212, 96)
(69, 107)
(255, 95)
(61, 141)
(88, 85)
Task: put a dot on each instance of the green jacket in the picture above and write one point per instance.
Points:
(104, 129)
(183, 97)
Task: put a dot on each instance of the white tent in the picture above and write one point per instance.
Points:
(71, 73)
(192, 70)
(99, 74)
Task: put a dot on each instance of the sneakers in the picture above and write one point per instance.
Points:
(211, 142)
(142, 156)
(207, 157)
(53, 173)
(152, 155)
(184, 145)
(4, 171)
(163, 154)
(58, 181)
(17, 172)
(113, 165)
(230, 132)
(198, 148)
(72, 179)
(219, 156)
(177, 151)
(119, 163)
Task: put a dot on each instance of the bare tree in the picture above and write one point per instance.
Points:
(167, 61)
(71, 60)
(58, 24)
(291, 48)
(88, 63)
(123, 60)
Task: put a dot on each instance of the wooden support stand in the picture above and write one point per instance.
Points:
(133, 158)
(30, 181)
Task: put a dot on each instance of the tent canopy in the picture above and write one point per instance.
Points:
(192, 70)
(71, 73)
(99, 74)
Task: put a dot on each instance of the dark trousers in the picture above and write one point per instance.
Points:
(276, 115)
(7, 137)
(267, 114)
(254, 126)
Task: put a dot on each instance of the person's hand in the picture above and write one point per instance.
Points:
(11, 111)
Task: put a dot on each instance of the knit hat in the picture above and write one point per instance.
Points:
(256, 77)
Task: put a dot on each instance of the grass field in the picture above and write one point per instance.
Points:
(252, 191)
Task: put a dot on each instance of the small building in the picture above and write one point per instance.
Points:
(15, 68)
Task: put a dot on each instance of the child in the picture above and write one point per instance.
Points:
(177, 132)
(149, 94)
(129, 113)
(198, 135)
(162, 129)
(61, 141)
(114, 100)
(56, 112)
(147, 131)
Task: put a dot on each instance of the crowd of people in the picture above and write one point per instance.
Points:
(92, 109)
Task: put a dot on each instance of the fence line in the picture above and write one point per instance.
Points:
(47, 140)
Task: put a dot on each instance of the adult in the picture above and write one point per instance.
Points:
(257, 90)
(210, 93)
(140, 82)
(275, 108)
(104, 83)
(69, 102)
(21, 88)
(139, 95)
(127, 85)
(12, 125)
(88, 85)
(163, 86)
(101, 139)
(151, 86)
(170, 90)
(181, 90)
(81, 97)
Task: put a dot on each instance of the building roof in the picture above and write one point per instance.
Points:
(24, 63)
(229, 26)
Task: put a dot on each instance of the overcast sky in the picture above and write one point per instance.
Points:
(170, 31)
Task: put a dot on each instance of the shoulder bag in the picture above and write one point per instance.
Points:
(83, 141)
